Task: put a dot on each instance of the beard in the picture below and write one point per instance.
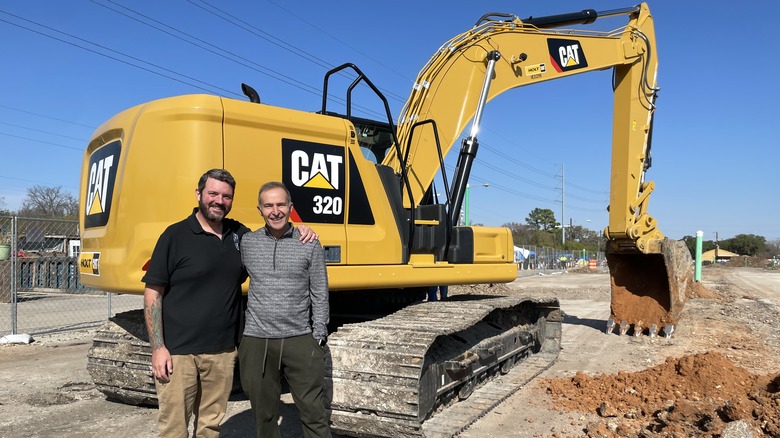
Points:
(207, 212)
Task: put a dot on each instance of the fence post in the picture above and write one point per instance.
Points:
(108, 307)
(14, 254)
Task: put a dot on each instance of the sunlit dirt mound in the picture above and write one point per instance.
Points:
(697, 290)
(584, 270)
(695, 395)
(747, 262)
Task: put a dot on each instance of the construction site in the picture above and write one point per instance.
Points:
(718, 375)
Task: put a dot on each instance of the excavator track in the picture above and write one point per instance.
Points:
(431, 369)
(120, 359)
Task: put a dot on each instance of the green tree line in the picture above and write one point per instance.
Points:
(742, 244)
(541, 229)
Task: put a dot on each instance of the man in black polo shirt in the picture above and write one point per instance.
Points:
(192, 307)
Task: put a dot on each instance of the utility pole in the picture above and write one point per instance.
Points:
(716, 249)
(571, 228)
(563, 211)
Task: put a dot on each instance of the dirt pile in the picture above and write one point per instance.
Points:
(697, 290)
(696, 395)
(748, 262)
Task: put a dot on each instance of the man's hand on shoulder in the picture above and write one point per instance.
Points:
(307, 234)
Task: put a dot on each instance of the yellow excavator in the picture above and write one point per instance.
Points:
(398, 366)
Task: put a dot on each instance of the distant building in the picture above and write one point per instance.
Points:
(723, 256)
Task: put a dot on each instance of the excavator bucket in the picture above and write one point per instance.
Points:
(649, 290)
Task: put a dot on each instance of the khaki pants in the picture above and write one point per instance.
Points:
(200, 384)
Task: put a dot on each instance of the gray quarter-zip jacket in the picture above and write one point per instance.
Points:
(288, 286)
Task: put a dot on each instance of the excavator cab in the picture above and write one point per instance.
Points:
(375, 139)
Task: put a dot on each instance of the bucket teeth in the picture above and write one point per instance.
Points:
(610, 326)
(653, 330)
(668, 330)
(638, 328)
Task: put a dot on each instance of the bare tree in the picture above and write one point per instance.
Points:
(43, 201)
(3, 208)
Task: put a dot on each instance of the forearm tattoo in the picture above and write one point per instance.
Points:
(154, 323)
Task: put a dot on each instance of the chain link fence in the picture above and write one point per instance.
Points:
(544, 258)
(40, 290)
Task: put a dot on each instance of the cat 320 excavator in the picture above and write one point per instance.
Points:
(397, 365)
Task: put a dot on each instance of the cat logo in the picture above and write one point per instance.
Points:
(89, 263)
(566, 55)
(314, 174)
(102, 172)
(316, 171)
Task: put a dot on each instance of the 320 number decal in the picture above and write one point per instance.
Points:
(327, 205)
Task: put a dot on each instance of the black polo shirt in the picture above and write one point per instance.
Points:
(202, 276)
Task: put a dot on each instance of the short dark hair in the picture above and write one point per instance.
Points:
(219, 175)
(273, 185)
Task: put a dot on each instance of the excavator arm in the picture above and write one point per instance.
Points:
(498, 55)
(504, 52)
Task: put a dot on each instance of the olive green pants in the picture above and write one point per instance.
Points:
(262, 362)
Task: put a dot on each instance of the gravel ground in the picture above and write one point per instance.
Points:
(45, 390)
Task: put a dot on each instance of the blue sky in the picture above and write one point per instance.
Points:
(69, 66)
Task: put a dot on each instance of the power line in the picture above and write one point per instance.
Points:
(385, 66)
(211, 48)
(47, 117)
(237, 22)
(30, 181)
(44, 142)
(515, 176)
(41, 131)
(517, 162)
(115, 58)
(227, 54)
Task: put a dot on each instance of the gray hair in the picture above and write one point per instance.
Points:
(273, 185)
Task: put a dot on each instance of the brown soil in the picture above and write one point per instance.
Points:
(719, 370)
(717, 376)
(697, 290)
(694, 395)
(747, 262)
(640, 291)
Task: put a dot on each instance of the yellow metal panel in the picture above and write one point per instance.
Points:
(391, 276)
(166, 145)
(493, 245)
